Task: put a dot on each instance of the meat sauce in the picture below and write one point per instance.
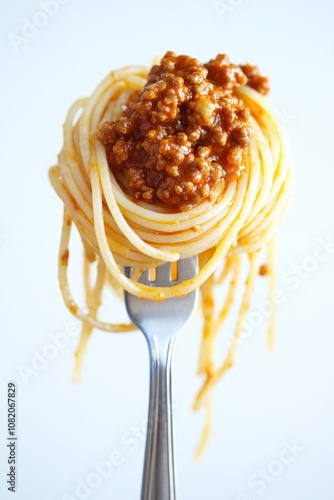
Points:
(184, 135)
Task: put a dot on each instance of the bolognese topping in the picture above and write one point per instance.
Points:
(255, 79)
(185, 134)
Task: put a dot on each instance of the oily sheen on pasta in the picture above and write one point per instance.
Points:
(164, 163)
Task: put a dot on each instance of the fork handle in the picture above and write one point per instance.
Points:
(159, 477)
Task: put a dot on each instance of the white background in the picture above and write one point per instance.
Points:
(267, 399)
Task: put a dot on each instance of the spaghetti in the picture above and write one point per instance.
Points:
(119, 228)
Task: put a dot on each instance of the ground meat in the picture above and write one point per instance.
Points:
(263, 271)
(255, 80)
(183, 136)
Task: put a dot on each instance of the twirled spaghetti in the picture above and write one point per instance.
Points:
(118, 230)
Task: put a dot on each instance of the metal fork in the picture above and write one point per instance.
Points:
(160, 322)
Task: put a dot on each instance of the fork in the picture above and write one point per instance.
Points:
(160, 323)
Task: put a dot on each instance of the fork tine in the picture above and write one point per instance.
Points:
(163, 275)
(186, 269)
